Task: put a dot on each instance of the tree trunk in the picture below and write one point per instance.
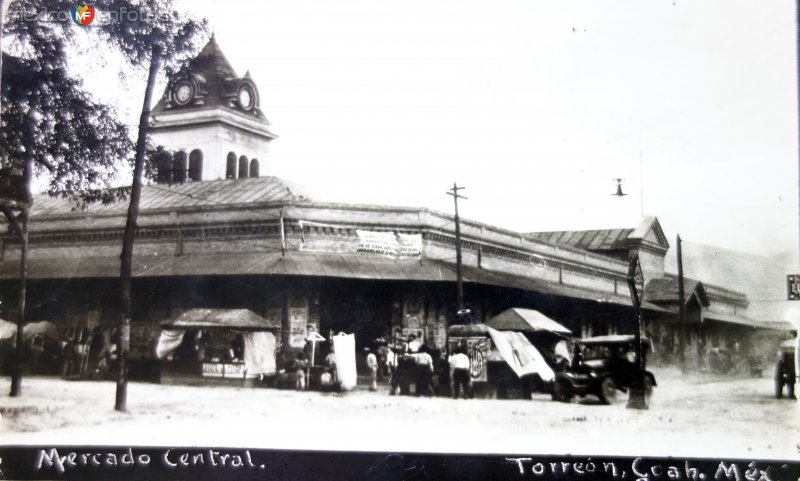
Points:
(123, 340)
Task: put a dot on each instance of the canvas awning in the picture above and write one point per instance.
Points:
(238, 319)
(7, 329)
(526, 320)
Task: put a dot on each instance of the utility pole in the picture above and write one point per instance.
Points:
(459, 276)
(636, 394)
(681, 309)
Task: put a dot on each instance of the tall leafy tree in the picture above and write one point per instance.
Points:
(76, 142)
(64, 134)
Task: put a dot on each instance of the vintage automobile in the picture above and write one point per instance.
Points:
(607, 366)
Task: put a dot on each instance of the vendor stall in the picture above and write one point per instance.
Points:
(217, 346)
(41, 349)
(514, 354)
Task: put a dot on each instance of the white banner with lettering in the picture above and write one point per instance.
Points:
(389, 243)
(319, 237)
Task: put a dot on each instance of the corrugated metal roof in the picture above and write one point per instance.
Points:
(208, 194)
(593, 240)
(200, 318)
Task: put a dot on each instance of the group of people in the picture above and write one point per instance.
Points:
(412, 362)
(298, 370)
(88, 352)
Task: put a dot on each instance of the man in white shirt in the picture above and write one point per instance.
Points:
(413, 343)
(459, 372)
(372, 364)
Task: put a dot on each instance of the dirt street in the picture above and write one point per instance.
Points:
(689, 416)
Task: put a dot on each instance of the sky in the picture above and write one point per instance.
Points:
(535, 107)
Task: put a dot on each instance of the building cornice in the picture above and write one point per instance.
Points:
(173, 121)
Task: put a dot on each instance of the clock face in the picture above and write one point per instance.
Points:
(183, 92)
(245, 98)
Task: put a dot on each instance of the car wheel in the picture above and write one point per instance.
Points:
(778, 388)
(648, 386)
(561, 392)
(608, 391)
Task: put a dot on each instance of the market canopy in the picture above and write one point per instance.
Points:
(7, 329)
(44, 328)
(525, 320)
(240, 319)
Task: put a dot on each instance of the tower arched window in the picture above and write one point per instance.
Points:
(180, 165)
(243, 167)
(254, 168)
(196, 165)
(230, 169)
(163, 161)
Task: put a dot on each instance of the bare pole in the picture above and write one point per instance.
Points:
(797, 67)
(636, 393)
(22, 229)
(459, 275)
(681, 309)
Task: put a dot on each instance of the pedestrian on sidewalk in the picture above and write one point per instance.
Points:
(300, 366)
(372, 365)
(459, 366)
(785, 375)
(391, 363)
(424, 373)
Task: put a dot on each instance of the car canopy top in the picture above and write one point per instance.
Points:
(612, 339)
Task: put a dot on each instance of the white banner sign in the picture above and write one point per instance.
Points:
(389, 243)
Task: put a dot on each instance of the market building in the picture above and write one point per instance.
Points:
(217, 232)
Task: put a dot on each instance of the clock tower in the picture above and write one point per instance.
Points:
(210, 120)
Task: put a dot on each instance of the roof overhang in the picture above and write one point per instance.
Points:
(746, 321)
